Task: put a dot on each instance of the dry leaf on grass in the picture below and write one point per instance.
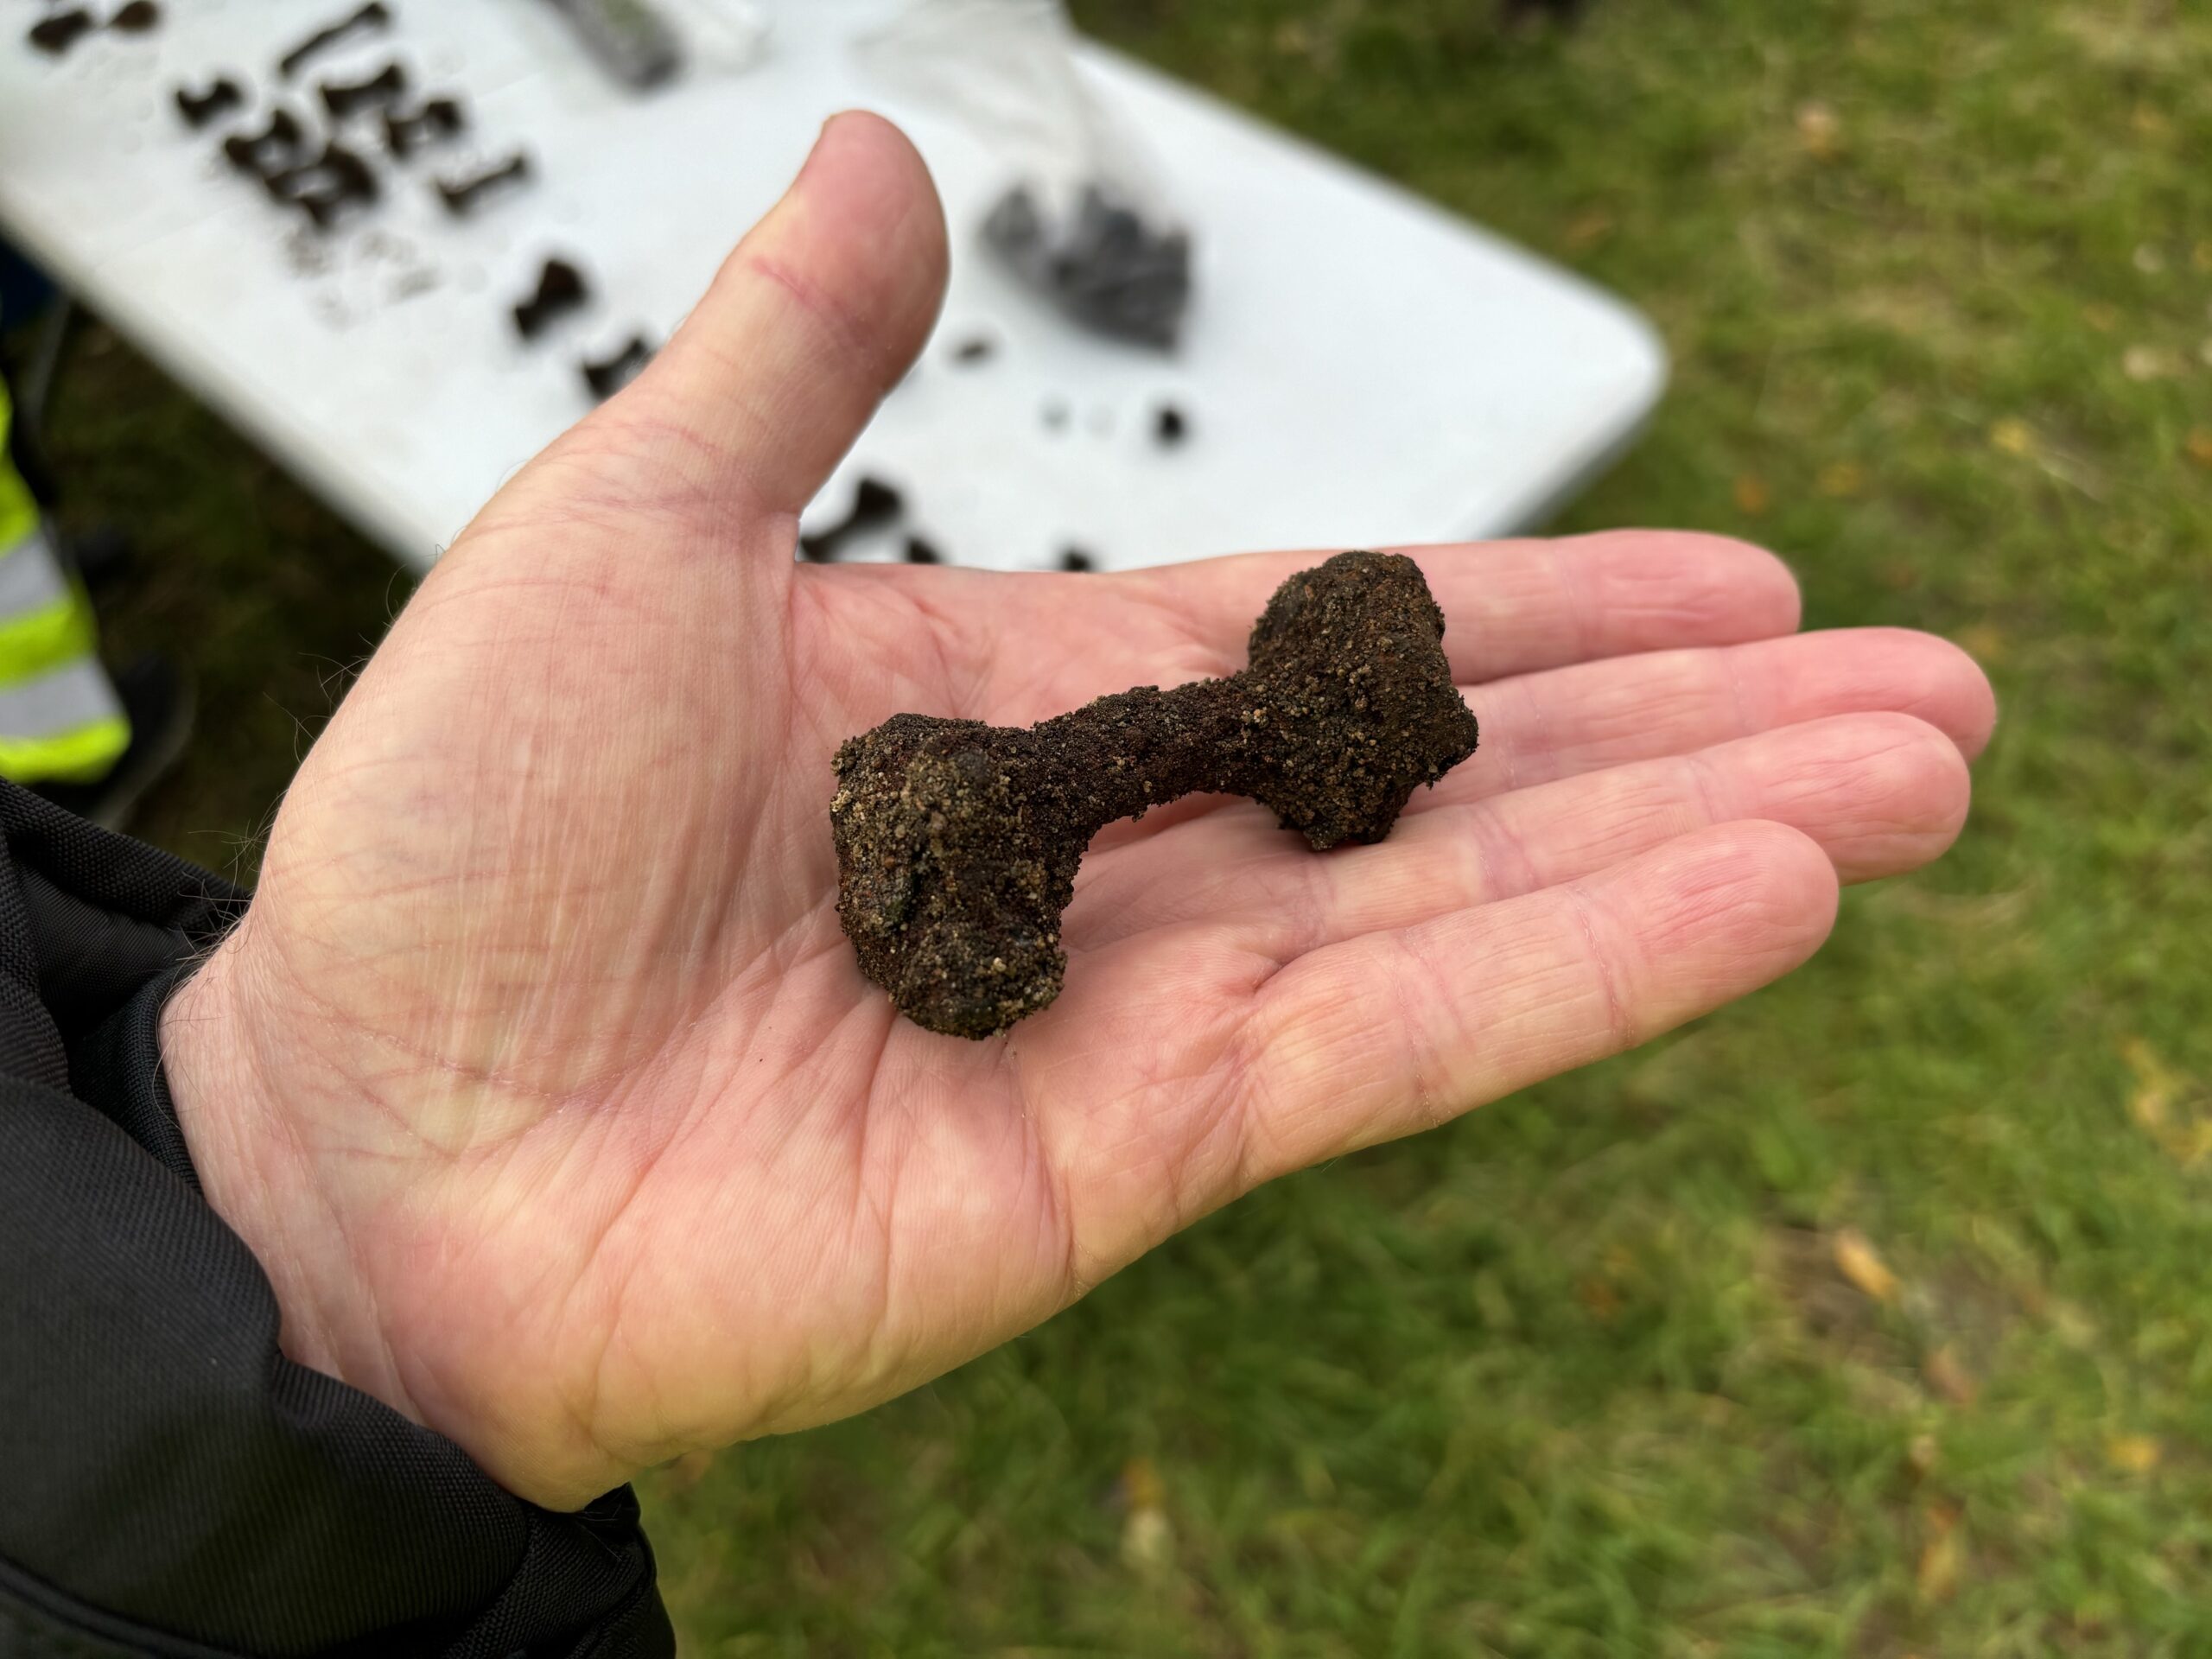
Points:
(1942, 1553)
(1148, 1536)
(1983, 641)
(2071, 1326)
(1920, 1456)
(2132, 1454)
(2148, 363)
(1820, 132)
(1948, 1375)
(1148, 1541)
(1857, 1260)
(1586, 231)
(1598, 1298)
(2156, 1106)
(2152, 1097)
(1141, 1486)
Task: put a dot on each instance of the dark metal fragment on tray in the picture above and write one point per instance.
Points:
(200, 109)
(367, 19)
(607, 375)
(326, 186)
(408, 132)
(876, 506)
(279, 146)
(560, 289)
(55, 34)
(465, 197)
(345, 99)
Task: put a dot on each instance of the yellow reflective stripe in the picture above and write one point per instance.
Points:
(83, 756)
(40, 641)
(18, 512)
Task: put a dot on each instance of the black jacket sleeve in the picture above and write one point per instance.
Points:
(169, 1483)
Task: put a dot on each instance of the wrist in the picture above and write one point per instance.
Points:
(300, 1129)
(223, 1060)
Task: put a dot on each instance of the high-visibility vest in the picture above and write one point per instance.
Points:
(61, 721)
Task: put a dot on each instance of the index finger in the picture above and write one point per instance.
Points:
(1515, 607)
(1399, 1030)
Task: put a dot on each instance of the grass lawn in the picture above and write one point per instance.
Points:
(1873, 1317)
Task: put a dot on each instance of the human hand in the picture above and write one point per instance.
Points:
(542, 1081)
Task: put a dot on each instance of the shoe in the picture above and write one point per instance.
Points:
(157, 698)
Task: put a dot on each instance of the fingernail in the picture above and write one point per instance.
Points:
(835, 132)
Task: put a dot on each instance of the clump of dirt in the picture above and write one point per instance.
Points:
(958, 841)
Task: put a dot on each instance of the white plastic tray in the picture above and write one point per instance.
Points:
(1359, 367)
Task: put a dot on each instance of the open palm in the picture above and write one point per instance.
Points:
(544, 1083)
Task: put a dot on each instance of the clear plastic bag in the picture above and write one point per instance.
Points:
(1083, 221)
(646, 44)
(720, 37)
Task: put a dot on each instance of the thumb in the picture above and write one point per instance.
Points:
(812, 319)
